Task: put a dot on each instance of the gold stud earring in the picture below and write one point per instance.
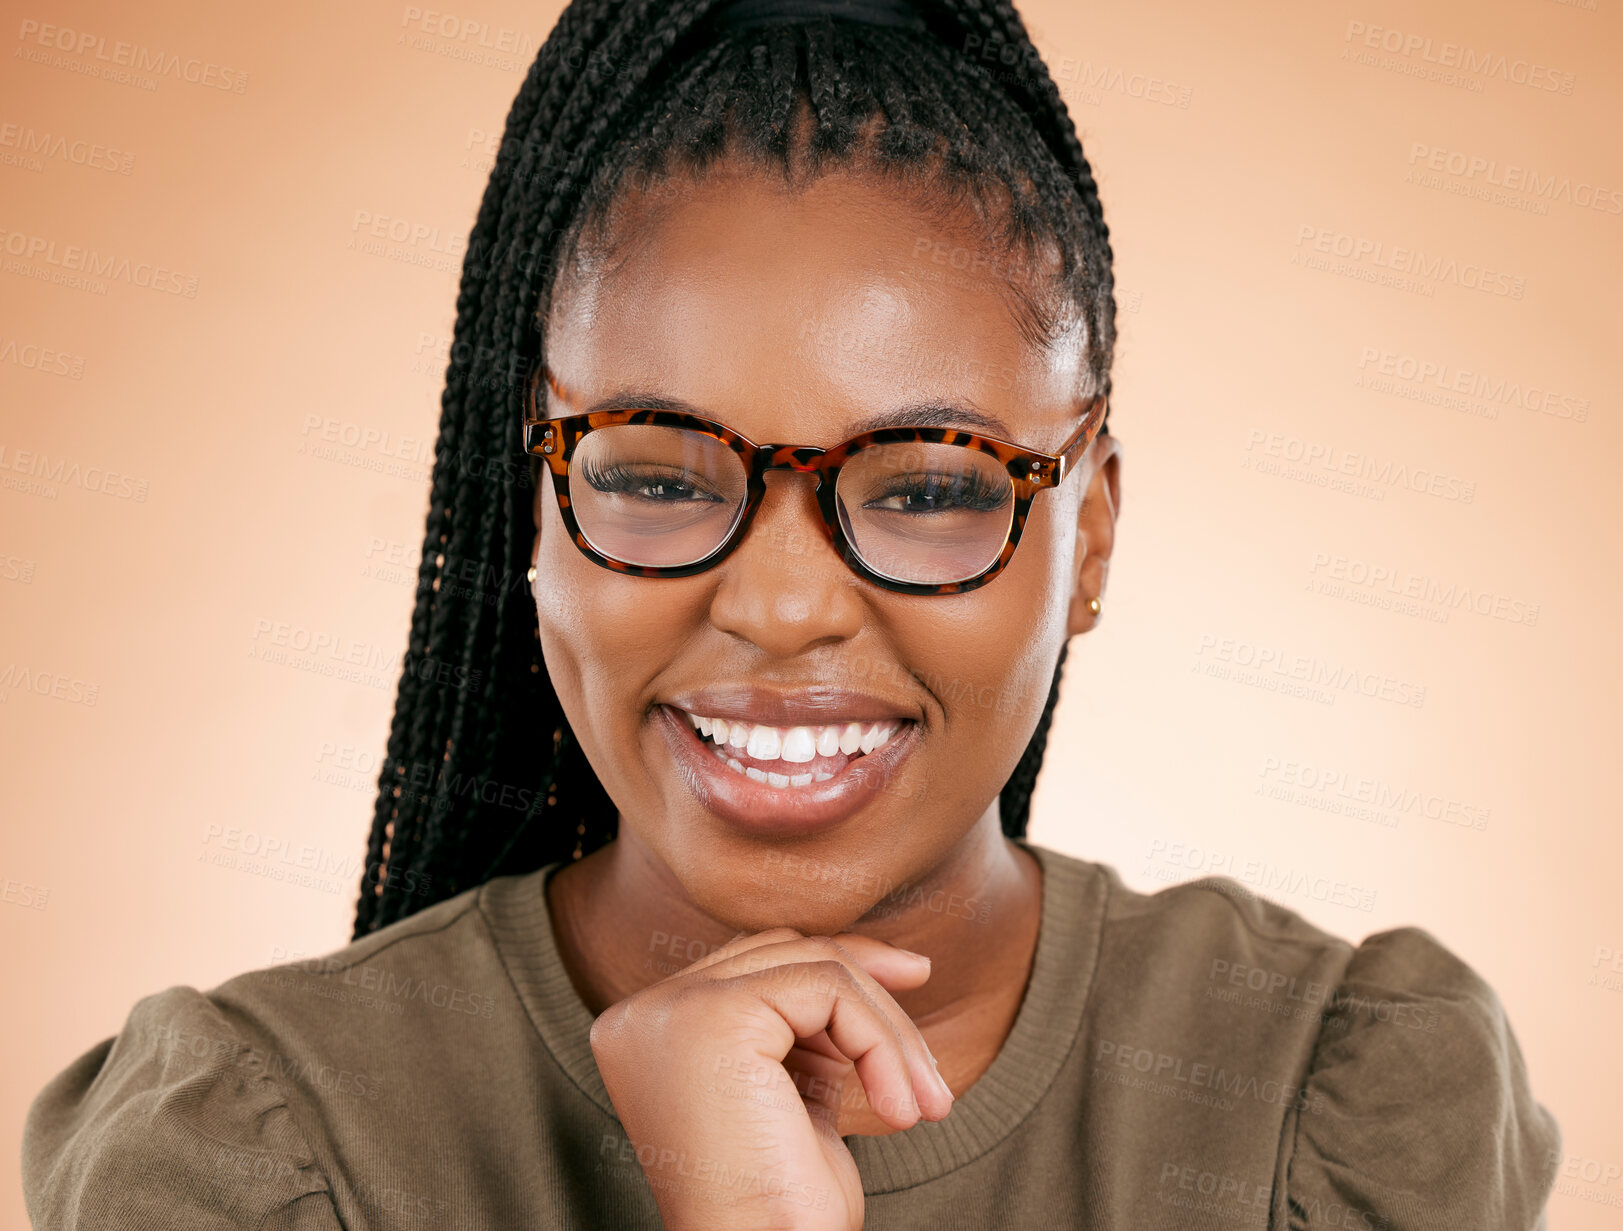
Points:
(531, 574)
(1094, 606)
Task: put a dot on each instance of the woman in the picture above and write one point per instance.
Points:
(698, 894)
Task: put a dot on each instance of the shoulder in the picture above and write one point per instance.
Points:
(205, 1109)
(169, 1124)
(1410, 1101)
(345, 1032)
(1211, 934)
(1424, 1111)
(373, 978)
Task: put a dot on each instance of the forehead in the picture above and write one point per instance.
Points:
(793, 314)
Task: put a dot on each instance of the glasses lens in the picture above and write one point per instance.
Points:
(661, 497)
(931, 514)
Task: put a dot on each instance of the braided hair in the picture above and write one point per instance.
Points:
(483, 776)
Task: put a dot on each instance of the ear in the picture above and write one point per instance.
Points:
(1095, 530)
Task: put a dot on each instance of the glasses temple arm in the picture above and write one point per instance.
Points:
(1071, 451)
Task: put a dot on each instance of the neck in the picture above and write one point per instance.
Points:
(622, 922)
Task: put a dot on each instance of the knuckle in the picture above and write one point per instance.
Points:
(637, 1018)
(829, 948)
(830, 975)
(608, 1029)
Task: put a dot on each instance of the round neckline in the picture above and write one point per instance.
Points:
(1045, 1027)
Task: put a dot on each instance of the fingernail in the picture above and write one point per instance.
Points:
(917, 957)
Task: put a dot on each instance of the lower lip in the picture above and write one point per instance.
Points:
(772, 811)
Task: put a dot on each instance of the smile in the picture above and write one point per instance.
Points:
(779, 781)
(767, 753)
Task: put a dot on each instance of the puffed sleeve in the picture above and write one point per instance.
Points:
(1416, 1112)
(173, 1124)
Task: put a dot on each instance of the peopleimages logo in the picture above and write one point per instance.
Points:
(1325, 782)
(1383, 473)
(30, 143)
(133, 56)
(41, 358)
(1361, 251)
(75, 259)
(1444, 594)
(1490, 173)
(1490, 391)
(1447, 55)
(68, 473)
(1166, 860)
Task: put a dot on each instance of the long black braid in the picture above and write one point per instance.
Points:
(483, 776)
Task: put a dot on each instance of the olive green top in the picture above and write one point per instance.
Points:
(1195, 1057)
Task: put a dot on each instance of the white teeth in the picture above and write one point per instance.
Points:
(768, 777)
(877, 736)
(764, 743)
(799, 745)
(795, 745)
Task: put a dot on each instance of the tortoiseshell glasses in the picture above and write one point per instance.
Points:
(917, 510)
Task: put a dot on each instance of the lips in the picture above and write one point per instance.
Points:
(769, 785)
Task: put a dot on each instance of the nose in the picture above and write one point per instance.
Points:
(784, 588)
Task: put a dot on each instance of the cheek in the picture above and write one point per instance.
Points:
(602, 639)
(1043, 573)
(988, 656)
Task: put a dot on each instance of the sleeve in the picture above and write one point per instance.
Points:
(1416, 1113)
(172, 1124)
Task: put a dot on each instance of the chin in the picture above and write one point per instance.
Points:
(772, 903)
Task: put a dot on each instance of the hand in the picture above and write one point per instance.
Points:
(702, 1068)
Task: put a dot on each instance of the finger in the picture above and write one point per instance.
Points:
(892, 966)
(819, 1077)
(934, 1097)
(820, 1049)
(895, 968)
(812, 996)
(820, 1044)
(742, 943)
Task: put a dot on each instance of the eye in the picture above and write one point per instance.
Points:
(658, 485)
(934, 492)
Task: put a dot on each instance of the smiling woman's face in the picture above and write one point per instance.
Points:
(793, 318)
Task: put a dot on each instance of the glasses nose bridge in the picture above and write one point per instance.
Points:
(797, 459)
(802, 459)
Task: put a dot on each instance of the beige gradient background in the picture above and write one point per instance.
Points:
(271, 435)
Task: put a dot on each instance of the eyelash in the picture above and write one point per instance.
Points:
(617, 479)
(973, 490)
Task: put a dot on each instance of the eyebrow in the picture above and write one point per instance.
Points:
(921, 414)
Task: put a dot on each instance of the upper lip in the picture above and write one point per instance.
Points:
(813, 706)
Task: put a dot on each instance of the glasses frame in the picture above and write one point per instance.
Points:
(1030, 471)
